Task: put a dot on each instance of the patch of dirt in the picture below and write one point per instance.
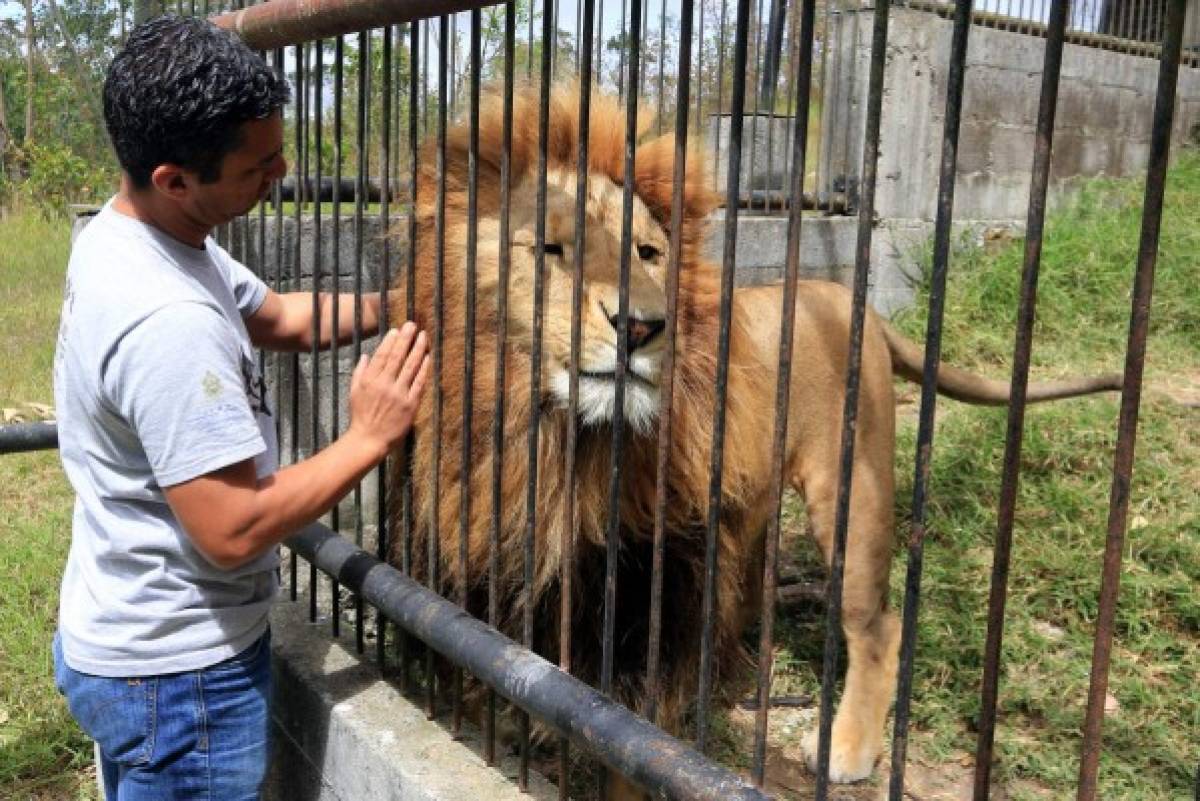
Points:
(789, 779)
(1183, 388)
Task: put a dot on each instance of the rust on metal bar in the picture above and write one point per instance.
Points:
(1135, 357)
(286, 22)
(1022, 349)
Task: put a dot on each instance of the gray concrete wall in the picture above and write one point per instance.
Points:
(1105, 106)
(341, 732)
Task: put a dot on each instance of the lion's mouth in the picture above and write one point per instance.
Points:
(611, 375)
(598, 391)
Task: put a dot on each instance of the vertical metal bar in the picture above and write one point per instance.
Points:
(529, 42)
(720, 93)
(933, 347)
(682, 93)
(360, 202)
(569, 530)
(862, 266)
(740, 47)
(771, 62)
(554, 40)
(502, 324)
(468, 391)
(662, 60)
(792, 70)
(453, 62)
(410, 291)
(317, 83)
(303, 188)
(439, 333)
(700, 74)
(828, 107)
(613, 527)
(385, 190)
(296, 277)
(1047, 107)
(579, 38)
(535, 375)
(612, 536)
(599, 64)
(621, 52)
(425, 82)
(757, 62)
(772, 59)
(847, 132)
(766, 651)
(1135, 357)
(339, 58)
(510, 49)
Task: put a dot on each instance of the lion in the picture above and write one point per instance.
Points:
(820, 350)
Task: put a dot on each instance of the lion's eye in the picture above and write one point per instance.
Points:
(552, 249)
(647, 252)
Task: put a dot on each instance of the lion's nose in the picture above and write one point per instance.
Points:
(640, 331)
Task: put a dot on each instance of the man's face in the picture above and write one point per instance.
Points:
(246, 173)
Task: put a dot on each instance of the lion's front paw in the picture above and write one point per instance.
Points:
(852, 758)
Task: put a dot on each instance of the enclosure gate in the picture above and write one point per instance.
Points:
(620, 739)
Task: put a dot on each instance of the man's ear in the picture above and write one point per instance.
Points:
(170, 179)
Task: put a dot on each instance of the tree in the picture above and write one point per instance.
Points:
(29, 59)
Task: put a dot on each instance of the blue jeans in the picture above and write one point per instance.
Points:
(198, 735)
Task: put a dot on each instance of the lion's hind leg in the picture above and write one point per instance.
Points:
(872, 631)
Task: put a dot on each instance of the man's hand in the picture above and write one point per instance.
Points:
(232, 517)
(386, 388)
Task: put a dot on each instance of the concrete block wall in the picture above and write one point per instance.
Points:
(1105, 105)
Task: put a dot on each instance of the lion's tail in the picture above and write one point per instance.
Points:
(908, 361)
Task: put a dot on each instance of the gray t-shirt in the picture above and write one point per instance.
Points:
(156, 383)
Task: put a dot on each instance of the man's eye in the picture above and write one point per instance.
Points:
(647, 252)
(551, 249)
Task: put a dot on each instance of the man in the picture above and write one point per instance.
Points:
(167, 437)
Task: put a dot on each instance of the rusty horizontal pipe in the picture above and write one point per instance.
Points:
(289, 22)
(622, 740)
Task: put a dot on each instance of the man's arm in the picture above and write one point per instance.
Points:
(284, 322)
(232, 517)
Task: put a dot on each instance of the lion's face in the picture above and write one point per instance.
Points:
(601, 280)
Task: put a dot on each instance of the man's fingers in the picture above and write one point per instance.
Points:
(360, 370)
(379, 358)
(412, 363)
(418, 383)
(400, 345)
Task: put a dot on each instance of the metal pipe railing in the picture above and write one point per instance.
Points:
(623, 740)
(293, 22)
(24, 437)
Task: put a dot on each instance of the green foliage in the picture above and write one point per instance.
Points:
(57, 177)
(63, 157)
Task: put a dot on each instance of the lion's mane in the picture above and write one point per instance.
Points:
(746, 453)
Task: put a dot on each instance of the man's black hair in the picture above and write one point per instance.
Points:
(178, 93)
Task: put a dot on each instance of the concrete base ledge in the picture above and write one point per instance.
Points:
(343, 733)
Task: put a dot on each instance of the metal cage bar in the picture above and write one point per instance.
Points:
(766, 651)
(925, 430)
(1016, 411)
(862, 265)
(716, 464)
(1135, 356)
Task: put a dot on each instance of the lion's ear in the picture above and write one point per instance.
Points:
(655, 168)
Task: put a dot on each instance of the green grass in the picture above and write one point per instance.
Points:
(43, 755)
(1152, 739)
